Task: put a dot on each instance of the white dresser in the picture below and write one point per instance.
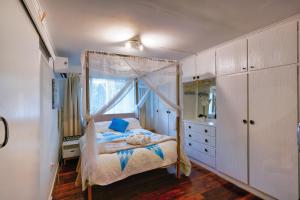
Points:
(200, 141)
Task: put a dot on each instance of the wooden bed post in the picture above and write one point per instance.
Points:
(178, 119)
(90, 196)
(137, 96)
(87, 83)
(87, 99)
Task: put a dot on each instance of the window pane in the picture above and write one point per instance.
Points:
(103, 90)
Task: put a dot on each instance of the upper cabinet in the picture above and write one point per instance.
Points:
(188, 68)
(273, 47)
(232, 58)
(200, 66)
(206, 64)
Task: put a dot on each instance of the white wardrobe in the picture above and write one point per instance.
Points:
(29, 160)
(257, 111)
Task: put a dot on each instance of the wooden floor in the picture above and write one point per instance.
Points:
(157, 184)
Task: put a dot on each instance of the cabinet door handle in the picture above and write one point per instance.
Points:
(252, 67)
(6, 129)
(190, 127)
(244, 68)
(198, 77)
(205, 150)
(244, 121)
(252, 122)
(206, 140)
(190, 144)
(194, 77)
(205, 130)
(190, 135)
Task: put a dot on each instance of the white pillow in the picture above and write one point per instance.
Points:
(133, 123)
(103, 126)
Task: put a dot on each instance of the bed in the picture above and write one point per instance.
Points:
(116, 163)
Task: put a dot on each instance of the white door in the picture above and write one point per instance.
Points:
(273, 47)
(232, 58)
(273, 155)
(231, 137)
(19, 103)
(188, 66)
(206, 64)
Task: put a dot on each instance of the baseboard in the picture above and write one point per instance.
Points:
(234, 181)
(53, 182)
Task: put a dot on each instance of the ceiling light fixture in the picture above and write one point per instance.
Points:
(134, 44)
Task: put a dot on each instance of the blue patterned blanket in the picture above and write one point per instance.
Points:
(115, 142)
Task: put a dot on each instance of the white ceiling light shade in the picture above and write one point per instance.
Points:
(155, 40)
(119, 33)
(134, 44)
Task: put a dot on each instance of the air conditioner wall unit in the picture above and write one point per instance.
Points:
(61, 65)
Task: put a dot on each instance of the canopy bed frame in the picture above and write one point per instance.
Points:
(107, 117)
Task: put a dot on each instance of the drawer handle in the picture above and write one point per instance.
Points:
(206, 140)
(190, 135)
(252, 67)
(190, 127)
(72, 151)
(205, 150)
(190, 144)
(205, 130)
(244, 68)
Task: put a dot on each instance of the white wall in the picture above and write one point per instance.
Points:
(49, 137)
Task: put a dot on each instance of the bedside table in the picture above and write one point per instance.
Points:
(70, 148)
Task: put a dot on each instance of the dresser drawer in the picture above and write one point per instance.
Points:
(205, 149)
(70, 153)
(201, 157)
(199, 128)
(198, 137)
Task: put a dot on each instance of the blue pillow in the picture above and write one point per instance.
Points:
(119, 125)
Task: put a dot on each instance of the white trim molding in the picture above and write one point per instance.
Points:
(38, 17)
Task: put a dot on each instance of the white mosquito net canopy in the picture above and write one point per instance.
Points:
(161, 77)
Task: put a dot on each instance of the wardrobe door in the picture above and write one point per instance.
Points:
(206, 64)
(188, 68)
(273, 155)
(274, 47)
(231, 137)
(232, 58)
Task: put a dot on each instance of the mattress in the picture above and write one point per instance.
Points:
(112, 167)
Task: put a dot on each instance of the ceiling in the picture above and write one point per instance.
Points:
(170, 29)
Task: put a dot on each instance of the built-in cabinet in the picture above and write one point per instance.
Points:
(188, 66)
(198, 67)
(232, 135)
(232, 58)
(164, 118)
(257, 111)
(276, 46)
(200, 142)
(273, 153)
(255, 137)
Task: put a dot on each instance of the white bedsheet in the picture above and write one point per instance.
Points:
(117, 166)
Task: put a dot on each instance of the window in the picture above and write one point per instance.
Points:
(102, 90)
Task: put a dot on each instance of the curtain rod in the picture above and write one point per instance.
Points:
(129, 56)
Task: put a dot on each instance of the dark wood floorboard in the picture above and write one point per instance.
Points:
(156, 184)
